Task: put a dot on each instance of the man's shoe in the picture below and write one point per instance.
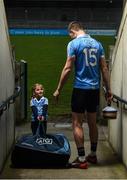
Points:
(91, 159)
(78, 164)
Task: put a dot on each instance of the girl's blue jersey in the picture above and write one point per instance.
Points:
(88, 52)
(39, 105)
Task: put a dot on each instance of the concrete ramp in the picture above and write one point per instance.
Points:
(108, 167)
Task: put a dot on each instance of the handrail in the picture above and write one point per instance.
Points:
(10, 100)
(118, 99)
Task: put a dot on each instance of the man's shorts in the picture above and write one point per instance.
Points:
(84, 100)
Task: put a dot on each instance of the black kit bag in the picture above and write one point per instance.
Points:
(45, 150)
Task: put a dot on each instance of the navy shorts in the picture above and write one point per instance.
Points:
(84, 100)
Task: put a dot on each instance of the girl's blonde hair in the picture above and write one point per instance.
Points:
(34, 87)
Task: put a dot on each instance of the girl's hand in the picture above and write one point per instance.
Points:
(42, 118)
(39, 118)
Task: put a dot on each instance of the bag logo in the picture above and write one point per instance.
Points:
(41, 141)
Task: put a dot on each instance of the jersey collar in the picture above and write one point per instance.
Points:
(39, 99)
(83, 35)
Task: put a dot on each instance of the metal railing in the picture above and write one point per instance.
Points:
(10, 100)
(118, 99)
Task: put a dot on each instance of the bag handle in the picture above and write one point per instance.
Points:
(40, 129)
(109, 103)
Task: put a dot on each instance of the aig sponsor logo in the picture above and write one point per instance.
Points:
(41, 141)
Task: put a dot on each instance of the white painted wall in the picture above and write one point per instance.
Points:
(124, 90)
(118, 127)
(6, 88)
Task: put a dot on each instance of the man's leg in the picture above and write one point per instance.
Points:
(93, 130)
(77, 119)
(93, 133)
(78, 133)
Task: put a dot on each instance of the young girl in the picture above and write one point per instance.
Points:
(39, 107)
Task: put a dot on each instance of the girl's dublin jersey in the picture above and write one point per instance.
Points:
(88, 52)
(39, 104)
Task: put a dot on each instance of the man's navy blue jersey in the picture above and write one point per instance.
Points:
(39, 104)
(88, 52)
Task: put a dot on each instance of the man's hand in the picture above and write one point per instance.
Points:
(56, 95)
(108, 97)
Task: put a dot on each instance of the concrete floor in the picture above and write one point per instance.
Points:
(108, 167)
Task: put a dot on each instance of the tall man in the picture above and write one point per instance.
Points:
(87, 56)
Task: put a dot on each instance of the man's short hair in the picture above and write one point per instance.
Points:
(75, 25)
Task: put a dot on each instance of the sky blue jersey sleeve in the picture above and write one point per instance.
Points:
(102, 53)
(32, 102)
(70, 50)
(46, 101)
